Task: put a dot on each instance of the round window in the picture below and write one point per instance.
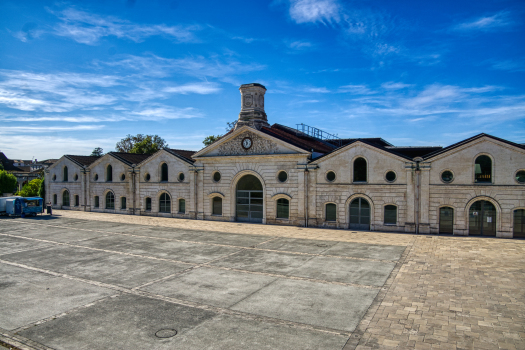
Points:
(282, 176)
(122, 177)
(330, 176)
(181, 177)
(447, 176)
(96, 177)
(76, 177)
(520, 176)
(216, 176)
(54, 177)
(147, 177)
(390, 176)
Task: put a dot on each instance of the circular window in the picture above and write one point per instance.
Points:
(54, 177)
(282, 176)
(216, 176)
(76, 177)
(390, 176)
(122, 177)
(96, 177)
(330, 176)
(181, 177)
(520, 176)
(147, 177)
(447, 176)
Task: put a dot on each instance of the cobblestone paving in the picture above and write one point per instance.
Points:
(448, 293)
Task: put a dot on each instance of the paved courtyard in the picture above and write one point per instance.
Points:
(99, 281)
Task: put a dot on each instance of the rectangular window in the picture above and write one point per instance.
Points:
(97, 202)
(217, 206)
(283, 208)
(77, 201)
(55, 197)
(182, 206)
(123, 203)
(390, 215)
(148, 204)
(331, 212)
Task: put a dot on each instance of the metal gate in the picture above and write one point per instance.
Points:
(446, 220)
(249, 205)
(359, 214)
(482, 219)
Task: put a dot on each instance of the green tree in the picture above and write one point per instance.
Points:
(42, 189)
(97, 152)
(210, 139)
(1, 166)
(30, 189)
(7, 182)
(150, 143)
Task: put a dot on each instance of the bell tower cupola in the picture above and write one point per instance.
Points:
(252, 107)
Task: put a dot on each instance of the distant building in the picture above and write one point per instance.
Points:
(274, 174)
(24, 170)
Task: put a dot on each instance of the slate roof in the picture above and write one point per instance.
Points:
(414, 151)
(298, 138)
(130, 158)
(82, 160)
(181, 153)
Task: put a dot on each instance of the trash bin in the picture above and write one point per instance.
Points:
(49, 210)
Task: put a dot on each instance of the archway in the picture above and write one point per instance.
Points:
(359, 214)
(249, 199)
(482, 219)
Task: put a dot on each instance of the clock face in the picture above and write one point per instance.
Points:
(246, 143)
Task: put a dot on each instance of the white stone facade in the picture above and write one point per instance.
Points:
(417, 193)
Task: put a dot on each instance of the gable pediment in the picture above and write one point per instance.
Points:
(261, 144)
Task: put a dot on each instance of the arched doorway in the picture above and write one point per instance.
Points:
(249, 204)
(359, 214)
(446, 220)
(519, 223)
(482, 219)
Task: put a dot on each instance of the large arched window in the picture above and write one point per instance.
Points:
(165, 203)
(110, 200)
(164, 172)
(283, 208)
(64, 177)
(216, 206)
(360, 170)
(390, 215)
(331, 212)
(109, 173)
(483, 169)
(65, 198)
(182, 205)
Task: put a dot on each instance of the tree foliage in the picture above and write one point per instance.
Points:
(210, 139)
(30, 189)
(1, 166)
(97, 152)
(141, 144)
(42, 189)
(7, 182)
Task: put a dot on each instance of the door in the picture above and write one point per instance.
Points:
(446, 220)
(250, 202)
(482, 219)
(359, 214)
(519, 223)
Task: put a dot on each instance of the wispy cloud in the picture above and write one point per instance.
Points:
(156, 113)
(87, 28)
(46, 129)
(194, 88)
(517, 65)
(317, 90)
(313, 11)
(356, 89)
(486, 23)
(299, 45)
(395, 86)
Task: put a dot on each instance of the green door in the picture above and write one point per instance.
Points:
(519, 223)
(482, 219)
(249, 204)
(359, 214)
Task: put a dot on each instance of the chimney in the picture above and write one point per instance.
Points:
(252, 108)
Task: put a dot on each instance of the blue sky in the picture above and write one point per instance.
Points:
(80, 75)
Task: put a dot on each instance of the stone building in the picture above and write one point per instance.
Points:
(273, 174)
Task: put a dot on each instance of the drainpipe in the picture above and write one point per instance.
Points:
(133, 187)
(306, 195)
(418, 194)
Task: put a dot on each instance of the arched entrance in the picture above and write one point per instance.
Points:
(482, 219)
(446, 220)
(519, 223)
(359, 214)
(249, 204)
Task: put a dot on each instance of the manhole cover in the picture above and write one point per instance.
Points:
(166, 333)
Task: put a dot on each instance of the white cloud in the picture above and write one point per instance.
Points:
(156, 113)
(194, 88)
(395, 86)
(46, 129)
(486, 23)
(87, 28)
(317, 90)
(356, 89)
(299, 45)
(510, 65)
(313, 11)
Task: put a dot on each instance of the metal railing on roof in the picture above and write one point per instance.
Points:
(318, 134)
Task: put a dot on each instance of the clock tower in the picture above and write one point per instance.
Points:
(252, 106)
